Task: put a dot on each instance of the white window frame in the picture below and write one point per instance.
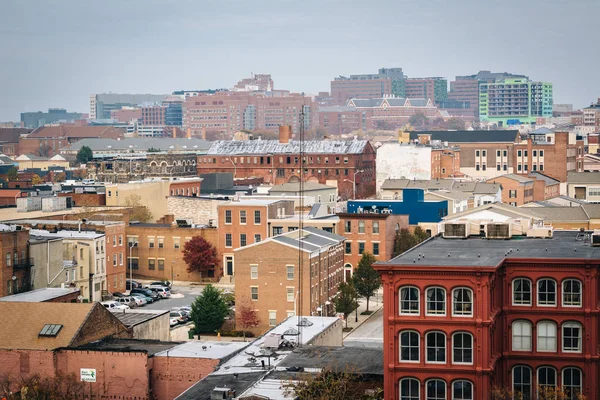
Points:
(410, 396)
(436, 314)
(537, 376)
(452, 389)
(433, 396)
(562, 376)
(287, 291)
(571, 324)
(522, 292)
(563, 284)
(418, 301)
(463, 315)
(273, 320)
(453, 346)
(252, 294)
(409, 332)
(539, 282)
(521, 323)
(531, 389)
(253, 271)
(541, 327)
(287, 272)
(445, 341)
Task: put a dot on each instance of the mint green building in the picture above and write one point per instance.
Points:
(514, 101)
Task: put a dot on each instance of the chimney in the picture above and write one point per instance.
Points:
(174, 132)
(204, 133)
(285, 133)
(189, 133)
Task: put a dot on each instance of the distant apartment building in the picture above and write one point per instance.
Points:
(153, 115)
(434, 89)
(516, 189)
(173, 111)
(228, 112)
(15, 274)
(47, 141)
(351, 163)
(54, 115)
(101, 105)
(591, 115)
(388, 81)
(465, 89)
(514, 101)
(552, 153)
(296, 273)
(126, 115)
(256, 83)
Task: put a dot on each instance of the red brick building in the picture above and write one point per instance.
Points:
(46, 141)
(15, 270)
(464, 316)
(351, 162)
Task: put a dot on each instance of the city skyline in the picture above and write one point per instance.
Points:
(57, 54)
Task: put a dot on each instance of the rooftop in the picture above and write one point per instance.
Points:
(40, 295)
(270, 147)
(135, 317)
(141, 144)
(497, 136)
(547, 179)
(344, 358)
(151, 347)
(308, 239)
(478, 252)
(66, 234)
(514, 177)
(583, 177)
(201, 349)
(295, 187)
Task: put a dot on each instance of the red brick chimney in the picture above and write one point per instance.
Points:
(285, 133)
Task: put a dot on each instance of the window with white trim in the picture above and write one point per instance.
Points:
(462, 390)
(521, 335)
(546, 292)
(571, 337)
(462, 348)
(572, 382)
(436, 347)
(546, 336)
(253, 271)
(409, 300)
(546, 378)
(409, 346)
(462, 302)
(409, 389)
(571, 293)
(521, 292)
(436, 301)
(522, 382)
(435, 389)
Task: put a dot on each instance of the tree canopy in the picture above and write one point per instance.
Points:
(406, 240)
(345, 301)
(84, 155)
(366, 279)
(12, 174)
(329, 384)
(209, 310)
(247, 317)
(199, 255)
(139, 212)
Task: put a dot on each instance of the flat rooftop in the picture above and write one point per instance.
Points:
(476, 251)
(40, 295)
(208, 349)
(343, 358)
(151, 347)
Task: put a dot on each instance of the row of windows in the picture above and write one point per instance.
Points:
(547, 337)
(524, 153)
(14, 257)
(243, 239)
(435, 389)
(547, 292)
(361, 248)
(410, 303)
(546, 378)
(289, 272)
(361, 227)
(435, 347)
(228, 218)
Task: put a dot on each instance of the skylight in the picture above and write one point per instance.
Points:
(50, 330)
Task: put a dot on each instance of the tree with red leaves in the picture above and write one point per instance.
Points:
(246, 317)
(199, 254)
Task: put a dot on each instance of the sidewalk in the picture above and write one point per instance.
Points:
(375, 303)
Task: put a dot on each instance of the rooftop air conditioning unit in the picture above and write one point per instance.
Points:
(498, 231)
(456, 231)
(596, 239)
(542, 232)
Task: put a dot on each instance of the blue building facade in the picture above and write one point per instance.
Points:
(412, 204)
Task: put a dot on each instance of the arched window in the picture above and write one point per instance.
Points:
(546, 336)
(462, 302)
(409, 346)
(462, 348)
(462, 390)
(409, 300)
(409, 389)
(521, 335)
(546, 378)
(522, 381)
(571, 293)
(435, 389)
(572, 382)
(436, 301)
(521, 292)
(436, 347)
(571, 337)
(546, 292)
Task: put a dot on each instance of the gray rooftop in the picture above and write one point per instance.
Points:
(475, 251)
(252, 147)
(142, 144)
(583, 177)
(356, 359)
(151, 347)
(508, 136)
(295, 187)
(203, 388)
(547, 179)
(131, 318)
(514, 177)
(39, 295)
(205, 349)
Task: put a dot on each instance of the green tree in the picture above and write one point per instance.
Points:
(366, 279)
(36, 180)
(405, 240)
(456, 124)
(209, 310)
(329, 384)
(12, 174)
(84, 155)
(345, 301)
(420, 234)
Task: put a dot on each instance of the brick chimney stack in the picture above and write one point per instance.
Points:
(285, 133)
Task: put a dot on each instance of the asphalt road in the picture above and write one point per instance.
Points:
(369, 334)
(189, 295)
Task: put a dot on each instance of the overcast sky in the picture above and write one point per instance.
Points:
(55, 53)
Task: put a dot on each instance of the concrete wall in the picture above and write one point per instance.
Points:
(171, 376)
(332, 336)
(153, 195)
(47, 270)
(156, 328)
(395, 160)
(199, 210)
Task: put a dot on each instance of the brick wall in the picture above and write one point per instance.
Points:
(20, 364)
(171, 376)
(100, 324)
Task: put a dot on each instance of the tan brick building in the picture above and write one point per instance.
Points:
(159, 251)
(368, 233)
(516, 189)
(269, 274)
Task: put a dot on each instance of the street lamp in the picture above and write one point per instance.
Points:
(327, 304)
(134, 244)
(320, 311)
(354, 182)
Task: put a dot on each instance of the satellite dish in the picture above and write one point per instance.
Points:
(373, 206)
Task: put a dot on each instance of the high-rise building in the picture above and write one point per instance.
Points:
(591, 115)
(388, 81)
(434, 89)
(173, 111)
(102, 104)
(54, 115)
(514, 101)
(258, 82)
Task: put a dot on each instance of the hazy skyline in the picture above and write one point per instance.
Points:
(55, 53)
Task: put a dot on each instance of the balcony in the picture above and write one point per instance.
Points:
(22, 264)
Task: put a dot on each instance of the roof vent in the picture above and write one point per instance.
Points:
(596, 239)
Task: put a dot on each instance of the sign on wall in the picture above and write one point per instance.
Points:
(88, 375)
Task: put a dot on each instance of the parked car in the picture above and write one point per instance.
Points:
(118, 294)
(173, 321)
(129, 284)
(114, 305)
(163, 292)
(154, 285)
(166, 284)
(146, 292)
(140, 299)
(128, 301)
(146, 299)
(188, 309)
(186, 314)
(179, 316)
